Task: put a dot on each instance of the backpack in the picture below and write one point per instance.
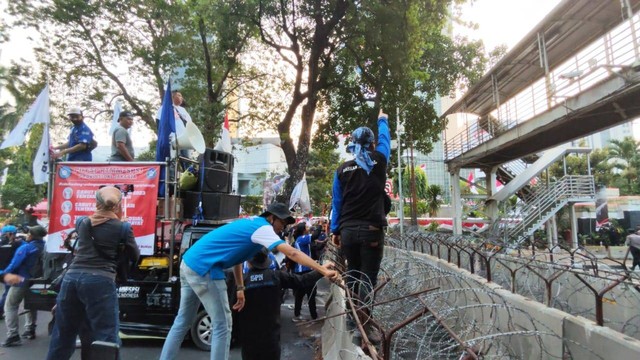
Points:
(37, 270)
(92, 145)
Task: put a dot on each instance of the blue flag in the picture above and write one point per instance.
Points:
(166, 126)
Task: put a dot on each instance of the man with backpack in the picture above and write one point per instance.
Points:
(26, 262)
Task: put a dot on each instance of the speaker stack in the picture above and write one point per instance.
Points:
(217, 201)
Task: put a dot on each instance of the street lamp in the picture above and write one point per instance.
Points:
(399, 132)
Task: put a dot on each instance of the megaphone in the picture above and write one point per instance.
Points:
(191, 139)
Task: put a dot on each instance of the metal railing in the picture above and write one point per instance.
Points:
(610, 54)
(546, 201)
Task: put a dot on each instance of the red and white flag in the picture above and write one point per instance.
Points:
(224, 143)
(499, 185)
(472, 185)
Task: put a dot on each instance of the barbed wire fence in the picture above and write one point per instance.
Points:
(425, 311)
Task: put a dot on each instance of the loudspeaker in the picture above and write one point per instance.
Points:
(215, 206)
(217, 179)
(191, 139)
(216, 159)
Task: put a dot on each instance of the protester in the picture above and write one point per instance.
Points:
(303, 243)
(24, 260)
(88, 294)
(259, 332)
(633, 242)
(8, 247)
(203, 281)
(121, 144)
(80, 143)
(358, 215)
(181, 115)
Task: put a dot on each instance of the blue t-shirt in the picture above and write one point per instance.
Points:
(229, 245)
(303, 243)
(80, 134)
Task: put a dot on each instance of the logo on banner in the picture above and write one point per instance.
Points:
(388, 187)
(64, 172)
(152, 173)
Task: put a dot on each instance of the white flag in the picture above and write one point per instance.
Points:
(117, 108)
(224, 144)
(41, 161)
(37, 114)
(300, 196)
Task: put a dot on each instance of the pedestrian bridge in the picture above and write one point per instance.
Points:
(576, 73)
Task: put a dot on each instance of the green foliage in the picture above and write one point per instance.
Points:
(625, 161)
(150, 154)
(434, 199)
(322, 166)
(421, 183)
(251, 205)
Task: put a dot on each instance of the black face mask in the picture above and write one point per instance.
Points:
(76, 122)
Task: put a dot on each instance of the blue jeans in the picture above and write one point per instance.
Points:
(89, 299)
(194, 290)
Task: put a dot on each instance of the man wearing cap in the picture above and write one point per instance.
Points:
(121, 145)
(203, 280)
(24, 260)
(358, 216)
(259, 320)
(80, 143)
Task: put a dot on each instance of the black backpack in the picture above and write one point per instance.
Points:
(37, 270)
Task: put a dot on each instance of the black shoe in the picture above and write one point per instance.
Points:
(29, 335)
(12, 341)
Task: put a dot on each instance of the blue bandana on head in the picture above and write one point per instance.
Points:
(361, 139)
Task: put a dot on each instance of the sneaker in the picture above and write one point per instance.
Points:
(12, 341)
(299, 318)
(29, 334)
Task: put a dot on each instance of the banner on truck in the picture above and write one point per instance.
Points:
(74, 195)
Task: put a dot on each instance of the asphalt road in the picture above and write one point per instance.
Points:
(294, 346)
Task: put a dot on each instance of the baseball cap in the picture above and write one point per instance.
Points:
(261, 259)
(74, 111)
(281, 211)
(9, 229)
(37, 231)
(125, 114)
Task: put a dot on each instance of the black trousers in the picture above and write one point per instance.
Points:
(362, 247)
(635, 253)
(299, 296)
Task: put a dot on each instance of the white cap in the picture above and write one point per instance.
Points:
(74, 111)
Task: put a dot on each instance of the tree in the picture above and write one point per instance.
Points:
(344, 54)
(320, 172)
(108, 49)
(434, 199)
(421, 183)
(576, 164)
(623, 155)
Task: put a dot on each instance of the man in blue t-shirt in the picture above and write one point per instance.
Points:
(203, 279)
(80, 143)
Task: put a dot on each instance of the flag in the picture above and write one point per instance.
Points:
(300, 196)
(41, 161)
(38, 114)
(499, 185)
(166, 126)
(224, 144)
(117, 108)
(472, 185)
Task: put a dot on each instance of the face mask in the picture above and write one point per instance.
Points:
(76, 122)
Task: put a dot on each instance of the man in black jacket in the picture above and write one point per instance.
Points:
(260, 318)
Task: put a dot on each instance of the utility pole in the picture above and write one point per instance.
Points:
(414, 195)
(399, 132)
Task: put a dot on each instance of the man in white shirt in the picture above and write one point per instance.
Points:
(633, 242)
(181, 114)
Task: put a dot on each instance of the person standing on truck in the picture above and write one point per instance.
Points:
(203, 281)
(25, 259)
(80, 143)
(88, 294)
(121, 144)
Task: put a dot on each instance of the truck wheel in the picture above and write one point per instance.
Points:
(201, 331)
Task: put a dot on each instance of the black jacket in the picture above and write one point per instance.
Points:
(259, 320)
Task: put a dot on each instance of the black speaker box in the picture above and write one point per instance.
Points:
(215, 206)
(217, 179)
(217, 159)
(632, 219)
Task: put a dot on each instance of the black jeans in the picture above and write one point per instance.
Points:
(362, 247)
(635, 253)
(311, 296)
